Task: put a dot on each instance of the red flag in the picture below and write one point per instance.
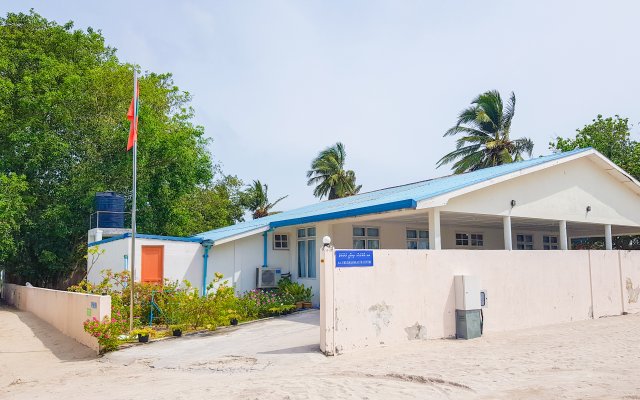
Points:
(132, 116)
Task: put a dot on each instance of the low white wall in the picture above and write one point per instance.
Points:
(65, 311)
(410, 295)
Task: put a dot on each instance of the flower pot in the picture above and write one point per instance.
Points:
(307, 304)
(233, 321)
(177, 332)
(299, 305)
(143, 339)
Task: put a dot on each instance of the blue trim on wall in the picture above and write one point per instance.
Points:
(379, 208)
(264, 249)
(207, 246)
(143, 236)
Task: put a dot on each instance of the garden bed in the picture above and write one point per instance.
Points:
(179, 306)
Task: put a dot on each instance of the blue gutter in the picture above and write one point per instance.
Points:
(207, 245)
(143, 236)
(264, 242)
(378, 208)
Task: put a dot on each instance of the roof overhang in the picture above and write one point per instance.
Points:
(611, 168)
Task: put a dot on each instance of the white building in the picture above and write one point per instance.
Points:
(544, 203)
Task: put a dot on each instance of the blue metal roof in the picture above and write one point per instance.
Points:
(389, 199)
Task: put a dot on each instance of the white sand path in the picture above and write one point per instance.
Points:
(278, 359)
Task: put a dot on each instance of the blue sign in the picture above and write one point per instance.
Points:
(354, 258)
(94, 304)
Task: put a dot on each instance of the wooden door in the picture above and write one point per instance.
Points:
(152, 264)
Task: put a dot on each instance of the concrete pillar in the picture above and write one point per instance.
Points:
(564, 244)
(327, 308)
(608, 239)
(506, 223)
(434, 229)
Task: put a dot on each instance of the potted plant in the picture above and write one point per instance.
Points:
(233, 317)
(307, 294)
(142, 333)
(176, 330)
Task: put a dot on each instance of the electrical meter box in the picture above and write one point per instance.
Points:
(467, 290)
(468, 304)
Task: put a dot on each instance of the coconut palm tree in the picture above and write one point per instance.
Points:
(328, 174)
(256, 200)
(485, 142)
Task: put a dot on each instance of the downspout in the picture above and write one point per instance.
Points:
(207, 244)
(264, 248)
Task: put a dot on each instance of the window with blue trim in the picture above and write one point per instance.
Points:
(307, 252)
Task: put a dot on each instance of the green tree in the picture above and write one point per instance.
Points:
(256, 200)
(208, 208)
(328, 174)
(610, 136)
(63, 100)
(13, 208)
(486, 141)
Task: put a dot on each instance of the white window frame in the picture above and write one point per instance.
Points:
(417, 239)
(306, 239)
(470, 240)
(549, 245)
(524, 243)
(366, 238)
(281, 241)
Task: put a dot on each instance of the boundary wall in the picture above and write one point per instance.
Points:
(65, 311)
(409, 294)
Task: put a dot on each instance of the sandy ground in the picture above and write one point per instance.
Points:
(278, 359)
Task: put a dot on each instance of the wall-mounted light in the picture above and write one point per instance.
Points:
(588, 208)
(513, 203)
(326, 241)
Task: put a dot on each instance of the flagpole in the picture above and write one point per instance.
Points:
(133, 205)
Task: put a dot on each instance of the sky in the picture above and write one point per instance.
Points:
(275, 82)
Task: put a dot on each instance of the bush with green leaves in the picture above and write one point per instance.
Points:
(294, 292)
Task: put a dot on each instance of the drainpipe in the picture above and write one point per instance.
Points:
(264, 242)
(207, 245)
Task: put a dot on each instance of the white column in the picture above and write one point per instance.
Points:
(506, 223)
(608, 239)
(563, 236)
(434, 229)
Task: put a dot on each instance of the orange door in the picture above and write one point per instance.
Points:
(152, 264)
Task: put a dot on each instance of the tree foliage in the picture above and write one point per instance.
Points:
(328, 174)
(256, 199)
(610, 136)
(13, 208)
(63, 101)
(486, 141)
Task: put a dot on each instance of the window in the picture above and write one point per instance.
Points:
(417, 239)
(281, 241)
(477, 240)
(462, 239)
(470, 239)
(366, 237)
(524, 242)
(307, 253)
(550, 242)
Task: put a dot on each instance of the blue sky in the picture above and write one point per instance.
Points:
(274, 82)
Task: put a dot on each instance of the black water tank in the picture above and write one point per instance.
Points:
(113, 204)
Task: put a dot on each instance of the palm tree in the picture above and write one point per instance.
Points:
(486, 142)
(256, 200)
(328, 174)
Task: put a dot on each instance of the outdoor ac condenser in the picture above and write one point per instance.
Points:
(468, 313)
(267, 277)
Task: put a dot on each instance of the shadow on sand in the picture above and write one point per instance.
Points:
(34, 329)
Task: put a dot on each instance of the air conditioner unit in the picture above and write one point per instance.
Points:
(267, 277)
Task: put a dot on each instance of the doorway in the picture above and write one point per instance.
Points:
(153, 264)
